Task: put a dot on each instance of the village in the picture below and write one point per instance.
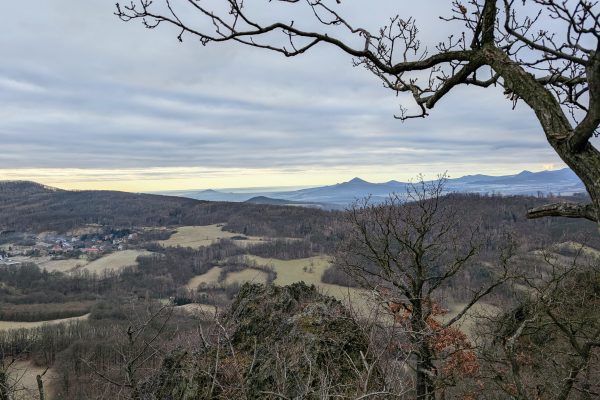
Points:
(17, 248)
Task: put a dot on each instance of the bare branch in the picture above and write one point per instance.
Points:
(564, 209)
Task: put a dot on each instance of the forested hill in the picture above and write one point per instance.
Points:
(29, 206)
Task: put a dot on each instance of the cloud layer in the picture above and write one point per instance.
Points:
(81, 90)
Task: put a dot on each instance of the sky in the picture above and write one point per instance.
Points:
(90, 102)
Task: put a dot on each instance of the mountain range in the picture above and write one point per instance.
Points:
(340, 195)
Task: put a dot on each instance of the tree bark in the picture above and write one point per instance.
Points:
(40, 385)
(564, 209)
(584, 161)
(425, 371)
(425, 374)
(4, 390)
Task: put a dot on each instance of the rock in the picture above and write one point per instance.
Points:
(303, 340)
(289, 341)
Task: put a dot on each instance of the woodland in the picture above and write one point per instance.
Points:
(428, 295)
(449, 296)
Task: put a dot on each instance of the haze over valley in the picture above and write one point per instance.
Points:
(341, 195)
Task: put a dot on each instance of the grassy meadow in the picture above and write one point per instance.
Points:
(115, 261)
(9, 325)
(198, 236)
(63, 265)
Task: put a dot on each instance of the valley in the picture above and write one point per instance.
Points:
(70, 294)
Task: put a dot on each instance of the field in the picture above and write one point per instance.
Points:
(198, 236)
(8, 325)
(198, 309)
(578, 247)
(115, 261)
(50, 265)
(246, 275)
(210, 277)
(468, 323)
(62, 265)
(7, 246)
(24, 372)
(308, 270)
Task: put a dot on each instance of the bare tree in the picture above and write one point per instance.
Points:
(557, 74)
(408, 252)
(6, 389)
(547, 345)
(137, 353)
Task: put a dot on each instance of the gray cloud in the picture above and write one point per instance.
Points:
(79, 89)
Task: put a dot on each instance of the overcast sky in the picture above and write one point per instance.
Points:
(87, 101)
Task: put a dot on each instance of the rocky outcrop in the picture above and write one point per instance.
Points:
(281, 342)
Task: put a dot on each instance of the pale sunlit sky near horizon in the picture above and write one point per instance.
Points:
(90, 102)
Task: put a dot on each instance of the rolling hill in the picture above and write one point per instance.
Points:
(29, 206)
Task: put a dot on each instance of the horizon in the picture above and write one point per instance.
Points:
(93, 107)
(102, 185)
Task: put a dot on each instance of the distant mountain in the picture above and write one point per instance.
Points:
(283, 202)
(562, 176)
(563, 181)
(265, 200)
(340, 195)
(214, 195)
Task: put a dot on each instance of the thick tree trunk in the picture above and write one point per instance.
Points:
(40, 385)
(585, 161)
(425, 386)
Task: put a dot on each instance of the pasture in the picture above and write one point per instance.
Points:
(198, 309)
(308, 270)
(63, 265)
(246, 275)
(9, 325)
(209, 278)
(114, 261)
(468, 323)
(198, 236)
